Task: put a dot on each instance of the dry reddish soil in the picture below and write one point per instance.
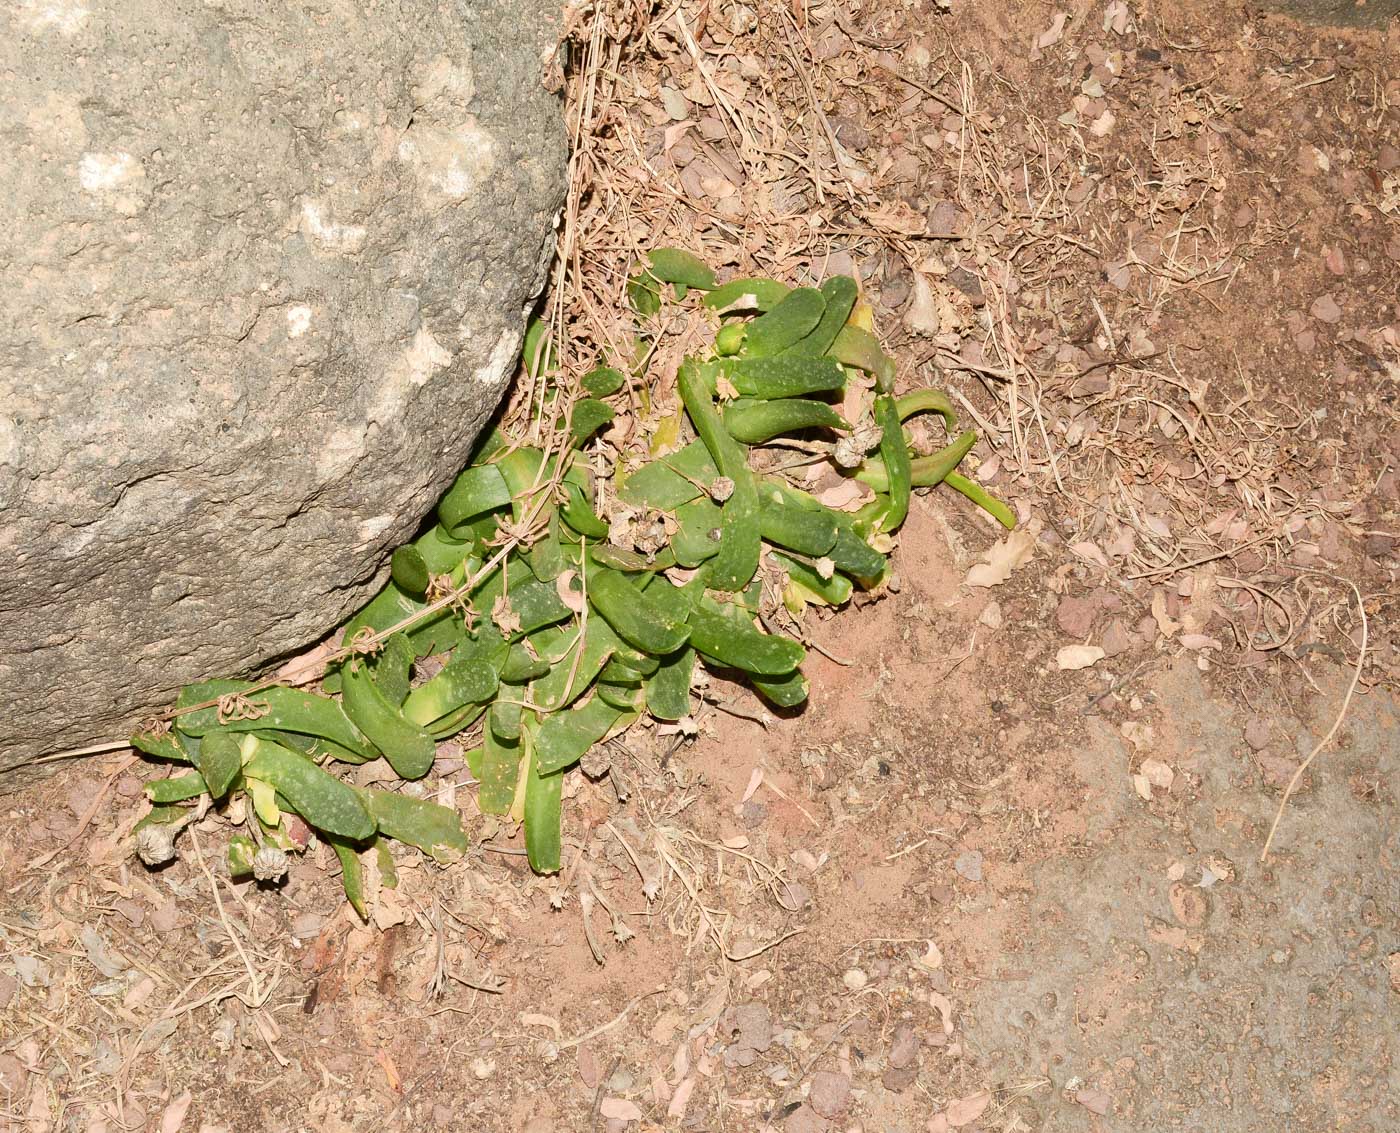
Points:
(1155, 250)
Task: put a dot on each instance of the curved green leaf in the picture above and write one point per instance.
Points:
(407, 747)
(324, 801)
(674, 265)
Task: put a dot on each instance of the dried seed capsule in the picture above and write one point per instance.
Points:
(270, 864)
(155, 844)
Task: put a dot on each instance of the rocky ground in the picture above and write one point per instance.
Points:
(1007, 871)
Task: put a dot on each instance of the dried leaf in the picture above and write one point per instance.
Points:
(1325, 309)
(99, 954)
(389, 910)
(311, 665)
(174, 1115)
(1090, 550)
(1165, 625)
(1157, 773)
(944, 1006)
(898, 217)
(1054, 33)
(966, 1110)
(675, 104)
(1002, 559)
(1078, 656)
(620, 1109)
(848, 495)
(680, 1100)
(1094, 1100)
(932, 959)
(391, 1071)
(673, 134)
(506, 619)
(530, 1019)
(923, 315)
(564, 586)
(1102, 126)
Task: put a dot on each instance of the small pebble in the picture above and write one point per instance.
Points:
(804, 1119)
(830, 1093)
(753, 813)
(969, 864)
(794, 896)
(904, 1048)
(1116, 638)
(755, 1026)
(129, 787)
(1325, 309)
(589, 1071)
(899, 1078)
(855, 979)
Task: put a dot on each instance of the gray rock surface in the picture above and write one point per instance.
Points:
(263, 270)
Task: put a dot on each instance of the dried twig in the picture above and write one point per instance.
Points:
(1337, 723)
